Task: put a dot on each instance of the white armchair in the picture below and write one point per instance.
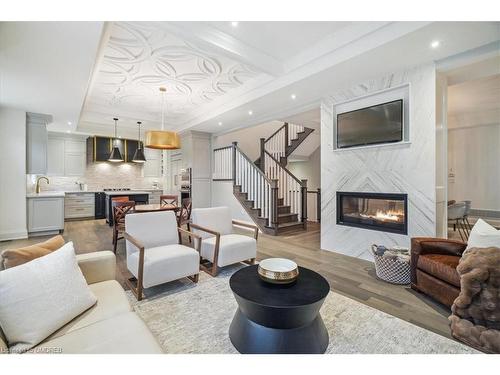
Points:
(220, 246)
(155, 254)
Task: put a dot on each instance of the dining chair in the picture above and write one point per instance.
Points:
(155, 255)
(120, 210)
(220, 246)
(456, 213)
(184, 214)
(468, 206)
(169, 199)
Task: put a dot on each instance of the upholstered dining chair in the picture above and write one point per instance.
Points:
(120, 209)
(221, 246)
(169, 199)
(154, 253)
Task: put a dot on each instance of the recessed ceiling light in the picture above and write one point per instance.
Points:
(70, 123)
(220, 123)
(293, 96)
(250, 112)
(234, 23)
(120, 136)
(68, 131)
(435, 44)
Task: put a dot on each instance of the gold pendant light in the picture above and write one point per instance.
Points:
(162, 139)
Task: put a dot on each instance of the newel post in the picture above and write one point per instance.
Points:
(303, 197)
(235, 144)
(274, 208)
(262, 161)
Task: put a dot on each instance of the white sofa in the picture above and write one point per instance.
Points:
(110, 326)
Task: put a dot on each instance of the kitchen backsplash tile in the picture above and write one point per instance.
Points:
(99, 176)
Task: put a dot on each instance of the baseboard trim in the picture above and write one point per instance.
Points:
(8, 236)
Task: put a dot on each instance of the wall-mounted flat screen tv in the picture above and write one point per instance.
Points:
(381, 123)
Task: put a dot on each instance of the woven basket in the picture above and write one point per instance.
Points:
(392, 269)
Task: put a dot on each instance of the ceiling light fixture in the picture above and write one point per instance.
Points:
(435, 44)
(139, 153)
(70, 123)
(293, 96)
(115, 155)
(220, 123)
(250, 112)
(234, 23)
(162, 139)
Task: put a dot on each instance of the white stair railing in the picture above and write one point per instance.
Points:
(290, 188)
(223, 164)
(293, 132)
(278, 142)
(231, 164)
(259, 189)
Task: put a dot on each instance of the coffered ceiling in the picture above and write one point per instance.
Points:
(139, 58)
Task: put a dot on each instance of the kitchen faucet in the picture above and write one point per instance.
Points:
(38, 183)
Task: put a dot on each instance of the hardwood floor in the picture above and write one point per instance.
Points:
(352, 277)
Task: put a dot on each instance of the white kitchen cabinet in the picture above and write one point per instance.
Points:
(74, 164)
(55, 157)
(45, 215)
(66, 155)
(36, 143)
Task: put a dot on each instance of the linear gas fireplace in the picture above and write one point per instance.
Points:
(376, 211)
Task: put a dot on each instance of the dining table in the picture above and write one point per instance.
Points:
(155, 207)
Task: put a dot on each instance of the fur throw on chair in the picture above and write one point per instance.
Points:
(475, 317)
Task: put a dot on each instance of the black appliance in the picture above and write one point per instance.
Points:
(381, 123)
(100, 205)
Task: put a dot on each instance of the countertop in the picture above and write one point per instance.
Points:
(127, 192)
(46, 194)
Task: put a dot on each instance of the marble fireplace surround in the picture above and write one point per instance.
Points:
(407, 167)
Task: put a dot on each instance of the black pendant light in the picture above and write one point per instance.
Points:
(139, 153)
(115, 155)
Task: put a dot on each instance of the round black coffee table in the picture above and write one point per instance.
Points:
(278, 318)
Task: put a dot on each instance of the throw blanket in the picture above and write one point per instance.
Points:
(475, 317)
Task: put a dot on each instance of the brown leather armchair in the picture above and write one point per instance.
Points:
(434, 264)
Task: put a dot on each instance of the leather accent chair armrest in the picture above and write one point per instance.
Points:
(430, 245)
(97, 266)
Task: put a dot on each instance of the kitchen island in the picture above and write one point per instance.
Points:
(138, 196)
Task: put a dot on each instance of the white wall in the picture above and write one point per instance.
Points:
(222, 195)
(12, 174)
(406, 168)
(473, 158)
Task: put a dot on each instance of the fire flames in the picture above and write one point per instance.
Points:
(389, 215)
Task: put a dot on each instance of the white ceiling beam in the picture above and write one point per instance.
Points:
(208, 37)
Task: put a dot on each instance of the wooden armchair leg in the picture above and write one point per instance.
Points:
(135, 287)
(194, 278)
(115, 241)
(250, 261)
(212, 270)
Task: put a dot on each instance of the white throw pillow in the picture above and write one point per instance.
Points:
(41, 296)
(483, 235)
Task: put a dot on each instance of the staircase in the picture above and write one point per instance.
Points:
(272, 196)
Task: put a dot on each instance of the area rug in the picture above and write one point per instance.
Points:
(195, 318)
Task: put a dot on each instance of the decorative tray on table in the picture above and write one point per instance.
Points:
(278, 270)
